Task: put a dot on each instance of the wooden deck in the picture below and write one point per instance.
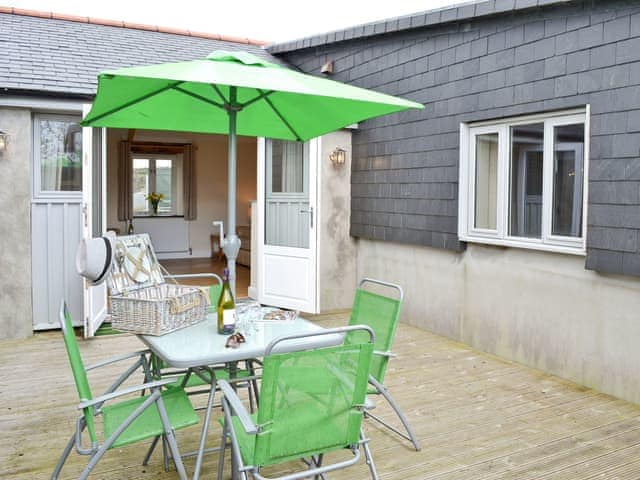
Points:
(477, 416)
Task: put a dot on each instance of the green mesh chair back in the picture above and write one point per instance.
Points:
(77, 367)
(296, 418)
(381, 313)
(214, 294)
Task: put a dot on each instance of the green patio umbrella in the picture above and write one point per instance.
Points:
(234, 93)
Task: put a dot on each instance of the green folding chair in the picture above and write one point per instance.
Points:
(296, 419)
(381, 313)
(159, 413)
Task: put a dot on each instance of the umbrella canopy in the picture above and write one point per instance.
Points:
(234, 93)
(195, 96)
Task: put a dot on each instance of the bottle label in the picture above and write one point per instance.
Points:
(229, 317)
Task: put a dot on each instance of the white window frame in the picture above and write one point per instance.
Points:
(466, 207)
(152, 180)
(36, 185)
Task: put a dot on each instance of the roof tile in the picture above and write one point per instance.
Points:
(64, 56)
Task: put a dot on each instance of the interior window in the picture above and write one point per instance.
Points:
(157, 177)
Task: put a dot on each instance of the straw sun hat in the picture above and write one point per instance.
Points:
(94, 257)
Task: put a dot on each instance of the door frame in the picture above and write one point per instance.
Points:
(258, 290)
(95, 297)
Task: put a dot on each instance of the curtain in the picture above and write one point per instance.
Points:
(189, 183)
(125, 182)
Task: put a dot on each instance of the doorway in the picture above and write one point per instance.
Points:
(56, 216)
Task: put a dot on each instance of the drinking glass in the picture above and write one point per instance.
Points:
(248, 311)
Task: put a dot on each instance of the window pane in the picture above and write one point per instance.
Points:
(568, 155)
(164, 182)
(60, 156)
(525, 182)
(486, 181)
(287, 209)
(140, 185)
(287, 172)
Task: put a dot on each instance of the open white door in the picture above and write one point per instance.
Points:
(93, 216)
(287, 213)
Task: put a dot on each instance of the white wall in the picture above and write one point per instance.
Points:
(540, 309)
(211, 171)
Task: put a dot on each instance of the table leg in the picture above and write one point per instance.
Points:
(205, 427)
(233, 374)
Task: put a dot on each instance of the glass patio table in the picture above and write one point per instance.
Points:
(200, 346)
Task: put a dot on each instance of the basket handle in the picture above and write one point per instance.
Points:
(175, 307)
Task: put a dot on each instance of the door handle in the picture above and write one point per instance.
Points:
(310, 212)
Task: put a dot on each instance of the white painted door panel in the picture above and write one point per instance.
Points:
(287, 272)
(287, 288)
(55, 232)
(56, 218)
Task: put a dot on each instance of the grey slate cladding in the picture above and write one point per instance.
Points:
(65, 57)
(488, 65)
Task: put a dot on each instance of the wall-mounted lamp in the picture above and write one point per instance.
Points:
(338, 157)
(4, 141)
(327, 68)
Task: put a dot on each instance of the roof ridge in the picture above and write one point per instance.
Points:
(131, 25)
(461, 10)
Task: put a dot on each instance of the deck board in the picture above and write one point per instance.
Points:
(477, 416)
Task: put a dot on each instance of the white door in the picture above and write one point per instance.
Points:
(56, 203)
(287, 240)
(93, 217)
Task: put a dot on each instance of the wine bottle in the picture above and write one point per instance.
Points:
(226, 308)
(130, 228)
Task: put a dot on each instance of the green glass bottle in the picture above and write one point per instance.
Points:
(226, 308)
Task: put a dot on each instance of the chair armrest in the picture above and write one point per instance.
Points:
(384, 354)
(109, 396)
(119, 358)
(236, 405)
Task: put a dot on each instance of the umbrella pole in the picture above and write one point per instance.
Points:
(232, 242)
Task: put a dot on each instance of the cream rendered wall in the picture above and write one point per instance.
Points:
(211, 171)
(336, 248)
(15, 225)
(540, 309)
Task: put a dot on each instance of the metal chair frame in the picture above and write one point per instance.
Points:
(96, 451)
(378, 385)
(316, 468)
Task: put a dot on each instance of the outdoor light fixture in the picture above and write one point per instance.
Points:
(338, 157)
(4, 140)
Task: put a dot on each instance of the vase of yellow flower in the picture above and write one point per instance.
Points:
(155, 198)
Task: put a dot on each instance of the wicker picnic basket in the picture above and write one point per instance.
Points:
(141, 301)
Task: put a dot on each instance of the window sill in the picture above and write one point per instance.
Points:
(529, 245)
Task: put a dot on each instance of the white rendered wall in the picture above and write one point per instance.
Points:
(540, 309)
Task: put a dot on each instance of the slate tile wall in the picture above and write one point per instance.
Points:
(560, 56)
